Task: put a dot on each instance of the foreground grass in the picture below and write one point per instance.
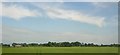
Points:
(0, 49)
(61, 50)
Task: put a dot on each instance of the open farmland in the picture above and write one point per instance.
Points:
(61, 50)
(0, 49)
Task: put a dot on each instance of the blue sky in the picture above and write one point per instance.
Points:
(95, 22)
(60, 0)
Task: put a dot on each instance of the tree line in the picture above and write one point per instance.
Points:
(59, 44)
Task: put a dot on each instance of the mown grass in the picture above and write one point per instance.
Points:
(0, 49)
(60, 50)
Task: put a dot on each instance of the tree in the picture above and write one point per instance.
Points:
(25, 45)
(5, 45)
(76, 43)
(65, 44)
(33, 44)
(13, 44)
(50, 44)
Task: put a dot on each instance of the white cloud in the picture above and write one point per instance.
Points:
(57, 12)
(17, 12)
(75, 16)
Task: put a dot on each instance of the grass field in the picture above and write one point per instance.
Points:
(0, 49)
(60, 50)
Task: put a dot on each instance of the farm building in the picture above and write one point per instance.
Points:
(18, 46)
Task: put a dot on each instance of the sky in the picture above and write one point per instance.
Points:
(39, 22)
(60, 0)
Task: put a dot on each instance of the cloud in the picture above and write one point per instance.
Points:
(57, 12)
(75, 16)
(17, 12)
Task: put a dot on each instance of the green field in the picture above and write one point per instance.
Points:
(60, 50)
(0, 49)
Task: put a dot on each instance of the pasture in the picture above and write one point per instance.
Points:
(0, 49)
(60, 50)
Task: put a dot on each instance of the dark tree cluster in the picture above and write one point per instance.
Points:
(5, 45)
(60, 44)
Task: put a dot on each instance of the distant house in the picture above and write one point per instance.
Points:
(18, 45)
(11, 45)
